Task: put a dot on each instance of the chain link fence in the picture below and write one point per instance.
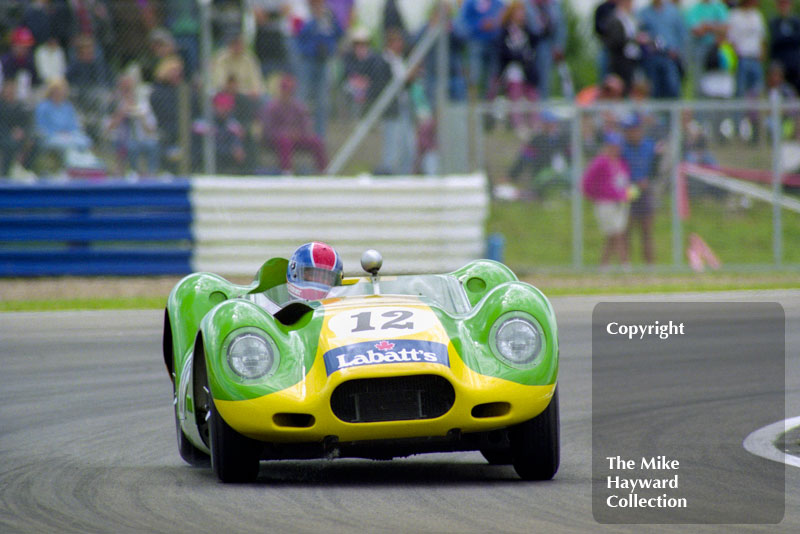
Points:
(265, 87)
(269, 87)
(644, 185)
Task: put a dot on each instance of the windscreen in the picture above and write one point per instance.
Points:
(443, 291)
(440, 290)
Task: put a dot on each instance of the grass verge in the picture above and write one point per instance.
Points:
(551, 284)
(539, 234)
(664, 285)
(116, 303)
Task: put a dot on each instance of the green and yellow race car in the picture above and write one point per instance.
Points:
(381, 367)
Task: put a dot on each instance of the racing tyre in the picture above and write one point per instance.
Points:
(234, 458)
(535, 446)
(190, 454)
(497, 457)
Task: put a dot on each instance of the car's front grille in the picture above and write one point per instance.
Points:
(400, 398)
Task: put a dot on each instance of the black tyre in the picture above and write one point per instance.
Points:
(535, 444)
(497, 456)
(234, 458)
(190, 454)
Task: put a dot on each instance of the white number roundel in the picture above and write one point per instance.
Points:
(381, 322)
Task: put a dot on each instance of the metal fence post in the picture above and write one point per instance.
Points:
(209, 153)
(185, 128)
(442, 84)
(777, 223)
(478, 158)
(675, 149)
(577, 194)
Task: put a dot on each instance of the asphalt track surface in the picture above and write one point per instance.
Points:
(87, 445)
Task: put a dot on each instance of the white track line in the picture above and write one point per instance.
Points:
(762, 442)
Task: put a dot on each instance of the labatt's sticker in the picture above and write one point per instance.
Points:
(385, 352)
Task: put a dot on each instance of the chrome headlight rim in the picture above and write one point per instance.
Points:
(271, 349)
(507, 319)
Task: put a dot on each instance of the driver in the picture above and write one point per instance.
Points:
(313, 270)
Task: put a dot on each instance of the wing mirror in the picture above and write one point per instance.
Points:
(371, 262)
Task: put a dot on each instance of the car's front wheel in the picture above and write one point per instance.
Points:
(535, 444)
(497, 456)
(234, 457)
(190, 454)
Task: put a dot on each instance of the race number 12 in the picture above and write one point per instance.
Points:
(398, 320)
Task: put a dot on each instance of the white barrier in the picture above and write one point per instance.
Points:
(419, 224)
(719, 179)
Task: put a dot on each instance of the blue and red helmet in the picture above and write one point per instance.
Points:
(313, 270)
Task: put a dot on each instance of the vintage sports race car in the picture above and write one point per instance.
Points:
(384, 366)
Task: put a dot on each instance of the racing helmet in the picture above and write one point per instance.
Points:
(313, 270)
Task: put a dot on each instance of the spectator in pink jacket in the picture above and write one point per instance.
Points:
(606, 183)
(287, 127)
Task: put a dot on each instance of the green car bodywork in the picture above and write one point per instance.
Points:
(215, 406)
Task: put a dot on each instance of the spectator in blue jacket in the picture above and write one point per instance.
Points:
(318, 41)
(482, 21)
(667, 35)
(640, 153)
(546, 20)
(56, 120)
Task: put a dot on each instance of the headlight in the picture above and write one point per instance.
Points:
(517, 339)
(251, 354)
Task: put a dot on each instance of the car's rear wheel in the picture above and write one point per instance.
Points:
(190, 454)
(234, 458)
(535, 445)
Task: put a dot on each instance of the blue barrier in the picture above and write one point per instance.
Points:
(91, 195)
(77, 262)
(87, 228)
(115, 227)
(95, 228)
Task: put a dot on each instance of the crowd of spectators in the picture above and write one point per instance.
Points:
(117, 83)
(727, 47)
